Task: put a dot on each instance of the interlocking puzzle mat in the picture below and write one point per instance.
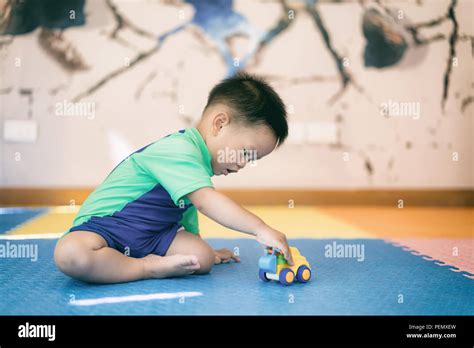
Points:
(372, 276)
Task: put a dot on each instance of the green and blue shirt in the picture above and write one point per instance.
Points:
(147, 191)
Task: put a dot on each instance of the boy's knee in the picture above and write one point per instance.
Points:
(72, 259)
(206, 258)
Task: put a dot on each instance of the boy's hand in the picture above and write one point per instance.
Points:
(226, 212)
(273, 238)
(224, 256)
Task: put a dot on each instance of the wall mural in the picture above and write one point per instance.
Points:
(388, 31)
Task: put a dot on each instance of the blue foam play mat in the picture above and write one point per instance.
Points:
(13, 217)
(389, 281)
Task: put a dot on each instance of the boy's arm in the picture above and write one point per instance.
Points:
(226, 212)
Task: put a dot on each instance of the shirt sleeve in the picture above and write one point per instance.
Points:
(177, 164)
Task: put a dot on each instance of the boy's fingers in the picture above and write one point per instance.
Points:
(286, 251)
(231, 257)
(289, 257)
(225, 256)
(228, 257)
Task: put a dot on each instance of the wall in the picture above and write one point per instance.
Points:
(151, 76)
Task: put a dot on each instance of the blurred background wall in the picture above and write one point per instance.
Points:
(379, 94)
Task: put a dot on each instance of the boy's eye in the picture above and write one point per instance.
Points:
(246, 154)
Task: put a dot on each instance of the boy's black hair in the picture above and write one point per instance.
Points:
(253, 101)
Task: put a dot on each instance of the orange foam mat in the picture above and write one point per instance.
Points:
(407, 222)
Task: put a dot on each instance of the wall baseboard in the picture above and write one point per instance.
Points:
(436, 197)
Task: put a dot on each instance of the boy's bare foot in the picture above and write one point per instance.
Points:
(169, 266)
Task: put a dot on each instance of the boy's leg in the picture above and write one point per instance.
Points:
(85, 255)
(186, 243)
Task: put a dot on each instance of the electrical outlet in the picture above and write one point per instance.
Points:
(20, 131)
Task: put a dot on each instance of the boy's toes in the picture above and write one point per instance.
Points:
(190, 262)
(170, 266)
(185, 264)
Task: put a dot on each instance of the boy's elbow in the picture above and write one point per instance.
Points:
(199, 197)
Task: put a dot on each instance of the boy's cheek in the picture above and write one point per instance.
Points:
(216, 169)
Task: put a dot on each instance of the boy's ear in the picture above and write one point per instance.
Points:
(220, 120)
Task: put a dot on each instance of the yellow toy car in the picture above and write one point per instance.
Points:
(273, 266)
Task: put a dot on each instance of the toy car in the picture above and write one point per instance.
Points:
(273, 266)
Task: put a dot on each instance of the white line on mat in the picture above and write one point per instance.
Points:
(134, 298)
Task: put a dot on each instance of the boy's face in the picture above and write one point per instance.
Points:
(233, 145)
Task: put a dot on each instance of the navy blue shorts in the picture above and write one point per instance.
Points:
(129, 240)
